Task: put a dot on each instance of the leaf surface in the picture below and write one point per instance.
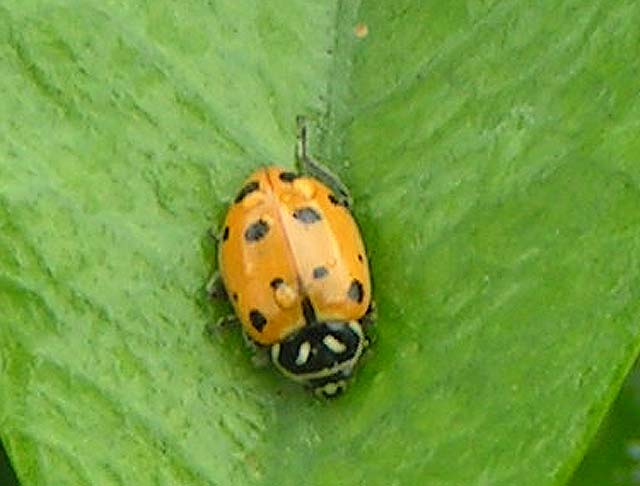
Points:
(492, 152)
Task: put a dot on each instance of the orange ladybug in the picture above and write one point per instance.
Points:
(293, 264)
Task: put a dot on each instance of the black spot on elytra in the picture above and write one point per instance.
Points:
(337, 202)
(235, 297)
(360, 259)
(225, 234)
(307, 215)
(257, 320)
(247, 189)
(256, 231)
(356, 292)
(287, 176)
(320, 272)
(276, 282)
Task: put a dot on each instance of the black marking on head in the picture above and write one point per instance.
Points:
(225, 234)
(257, 320)
(256, 231)
(337, 202)
(276, 282)
(320, 383)
(235, 296)
(287, 176)
(247, 189)
(308, 311)
(360, 259)
(320, 356)
(329, 396)
(307, 215)
(320, 272)
(356, 292)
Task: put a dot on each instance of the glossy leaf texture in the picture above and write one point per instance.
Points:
(492, 152)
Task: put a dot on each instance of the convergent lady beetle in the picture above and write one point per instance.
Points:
(293, 264)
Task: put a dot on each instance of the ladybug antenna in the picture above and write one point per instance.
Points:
(301, 149)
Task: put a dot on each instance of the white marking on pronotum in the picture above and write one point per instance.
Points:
(333, 344)
(275, 352)
(303, 353)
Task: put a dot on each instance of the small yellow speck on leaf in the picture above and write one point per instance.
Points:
(361, 30)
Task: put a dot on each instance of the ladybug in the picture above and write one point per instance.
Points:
(293, 264)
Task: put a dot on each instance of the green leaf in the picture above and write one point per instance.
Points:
(492, 152)
(614, 455)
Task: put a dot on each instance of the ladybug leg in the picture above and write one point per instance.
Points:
(228, 320)
(225, 321)
(214, 329)
(370, 317)
(259, 356)
(306, 165)
(215, 287)
(367, 321)
(214, 234)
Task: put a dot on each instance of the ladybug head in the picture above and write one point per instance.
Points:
(321, 355)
